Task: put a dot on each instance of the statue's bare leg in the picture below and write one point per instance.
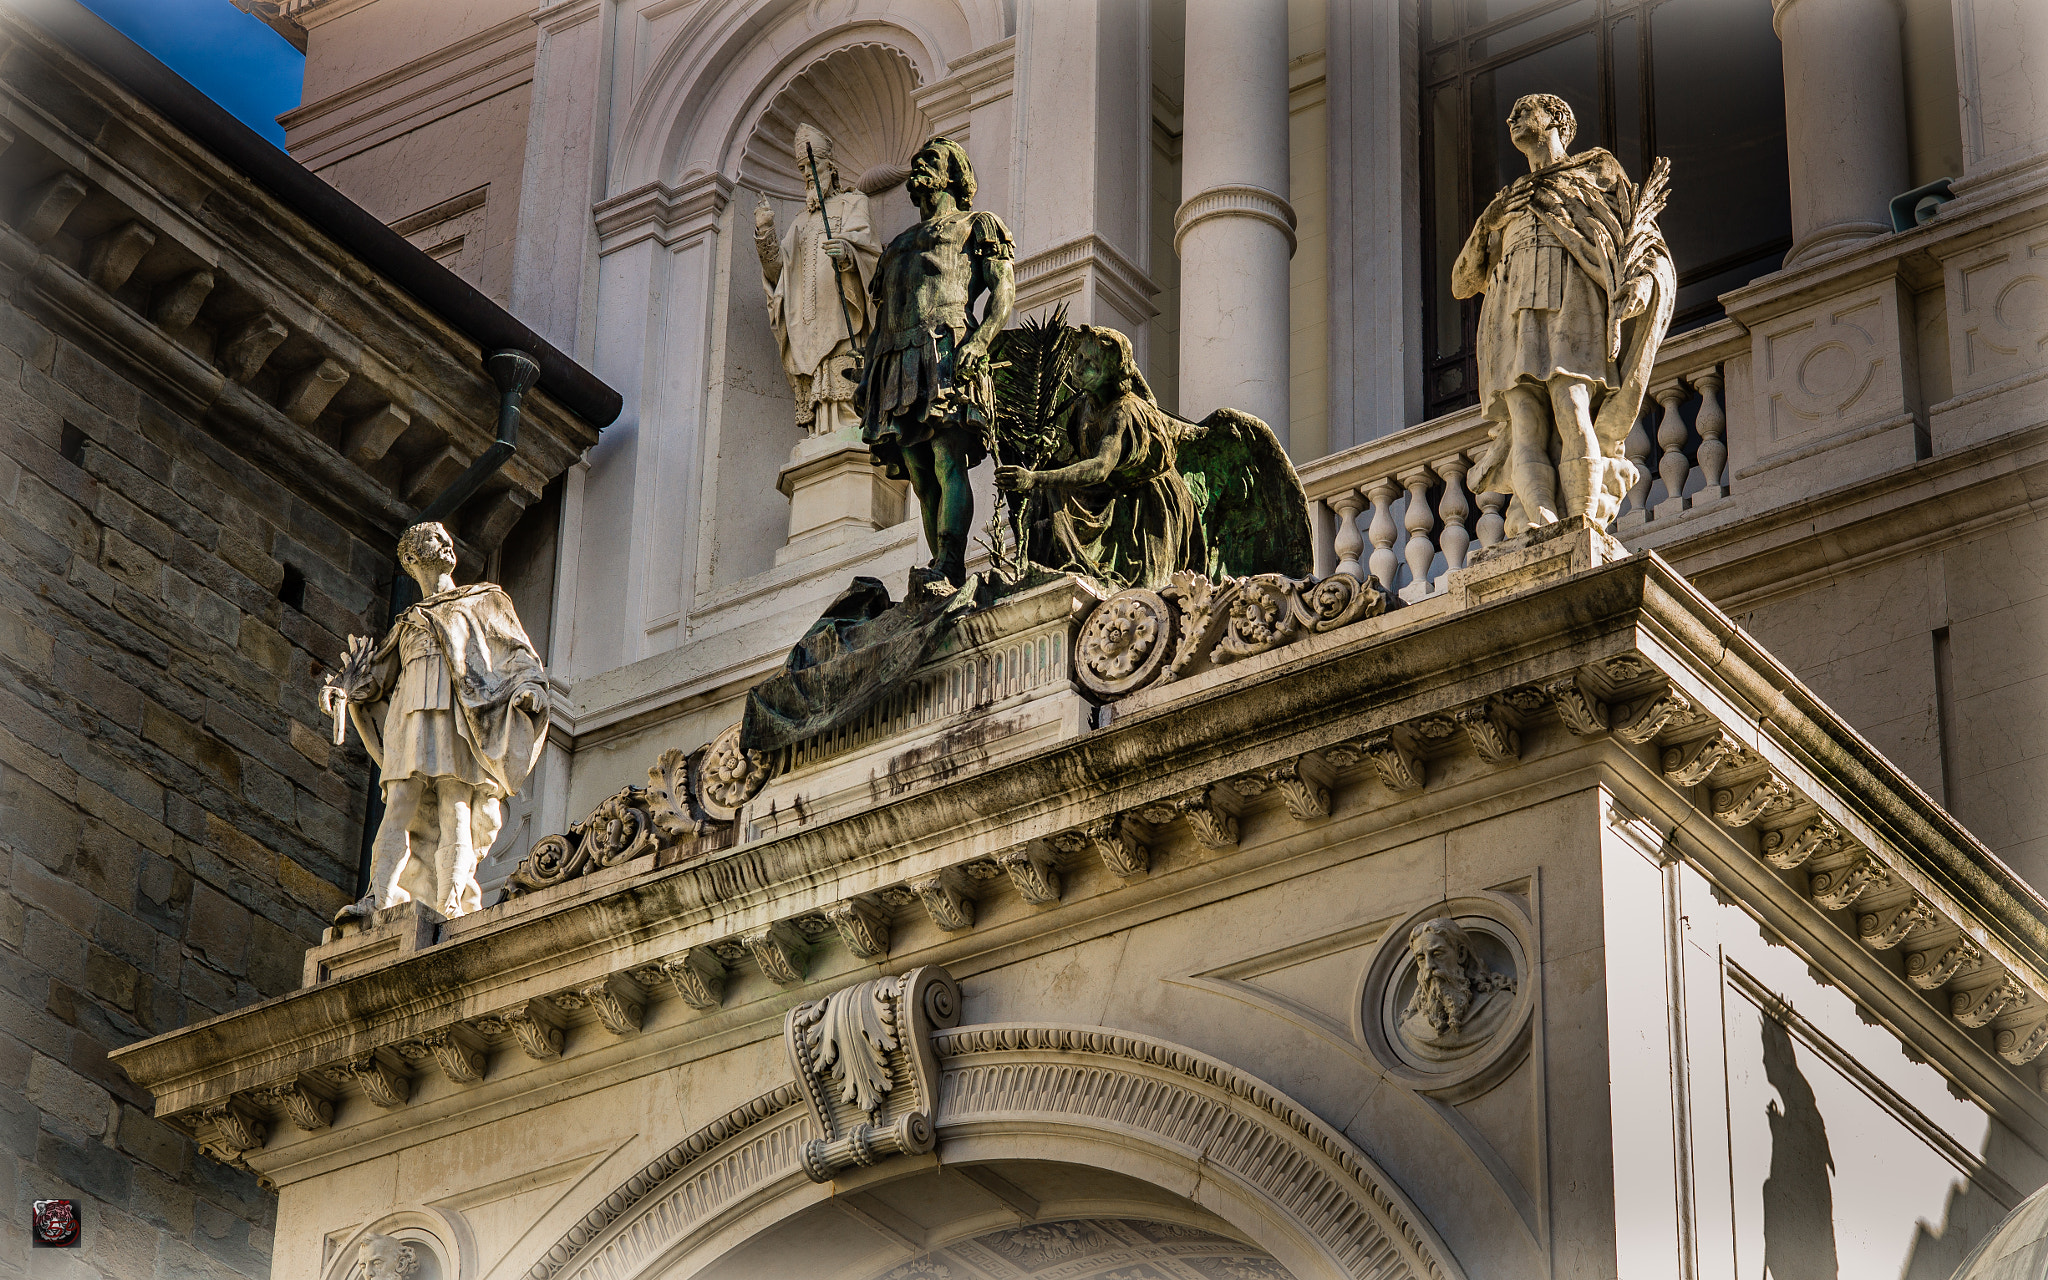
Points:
(486, 820)
(390, 850)
(924, 482)
(1581, 471)
(1529, 468)
(956, 510)
(455, 859)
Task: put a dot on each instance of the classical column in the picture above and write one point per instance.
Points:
(1235, 230)
(1845, 119)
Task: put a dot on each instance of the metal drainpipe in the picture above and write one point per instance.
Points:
(515, 372)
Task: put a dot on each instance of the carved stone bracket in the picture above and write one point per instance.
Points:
(1031, 873)
(1583, 714)
(1303, 782)
(780, 951)
(2019, 1049)
(531, 1025)
(1399, 767)
(1112, 839)
(1928, 970)
(302, 1103)
(231, 1126)
(864, 930)
(1883, 932)
(381, 1083)
(1975, 1008)
(697, 975)
(1210, 811)
(1786, 851)
(863, 1058)
(1744, 803)
(949, 908)
(1644, 720)
(1688, 765)
(618, 1011)
(1492, 736)
(1836, 889)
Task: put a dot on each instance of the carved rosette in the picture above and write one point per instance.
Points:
(731, 776)
(1140, 637)
(863, 1058)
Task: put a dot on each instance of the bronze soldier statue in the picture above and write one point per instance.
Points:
(925, 397)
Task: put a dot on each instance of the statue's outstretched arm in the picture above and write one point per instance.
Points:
(765, 242)
(1079, 475)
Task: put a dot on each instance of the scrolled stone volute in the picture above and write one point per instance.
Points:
(863, 1059)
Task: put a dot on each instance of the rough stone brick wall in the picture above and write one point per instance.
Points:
(174, 826)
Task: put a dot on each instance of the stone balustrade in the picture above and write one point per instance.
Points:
(1399, 509)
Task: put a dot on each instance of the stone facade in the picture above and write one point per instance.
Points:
(216, 421)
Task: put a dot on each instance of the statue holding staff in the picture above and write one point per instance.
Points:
(1579, 289)
(817, 274)
(453, 707)
(925, 397)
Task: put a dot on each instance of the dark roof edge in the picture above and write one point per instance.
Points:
(344, 221)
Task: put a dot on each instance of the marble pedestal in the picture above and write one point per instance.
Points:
(835, 494)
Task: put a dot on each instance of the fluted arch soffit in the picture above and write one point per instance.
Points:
(861, 98)
(707, 88)
(1281, 1177)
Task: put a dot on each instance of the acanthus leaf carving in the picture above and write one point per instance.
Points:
(1398, 767)
(1689, 764)
(618, 1011)
(1208, 811)
(460, 1060)
(1139, 637)
(1744, 803)
(532, 1026)
(1975, 1008)
(1583, 714)
(2020, 1050)
(1031, 873)
(863, 1058)
(1486, 726)
(1929, 969)
(1837, 888)
(782, 954)
(1883, 932)
(698, 977)
(621, 828)
(1303, 783)
(948, 907)
(1818, 837)
(1112, 839)
(1646, 719)
(302, 1103)
(235, 1127)
(381, 1083)
(864, 930)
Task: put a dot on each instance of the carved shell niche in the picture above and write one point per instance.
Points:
(861, 98)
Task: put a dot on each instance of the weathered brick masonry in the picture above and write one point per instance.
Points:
(214, 420)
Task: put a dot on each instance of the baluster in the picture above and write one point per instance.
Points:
(1637, 450)
(1713, 421)
(1672, 465)
(1493, 526)
(1349, 540)
(1420, 520)
(1384, 563)
(1452, 510)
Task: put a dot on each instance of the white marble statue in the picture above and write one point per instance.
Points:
(818, 287)
(1579, 289)
(453, 706)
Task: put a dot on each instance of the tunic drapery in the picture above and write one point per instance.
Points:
(1141, 523)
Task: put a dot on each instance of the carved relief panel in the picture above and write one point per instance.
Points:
(1828, 368)
(1447, 1000)
(1998, 310)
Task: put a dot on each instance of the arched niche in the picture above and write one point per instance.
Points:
(1168, 1133)
(703, 93)
(436, 1245)
(863, 97)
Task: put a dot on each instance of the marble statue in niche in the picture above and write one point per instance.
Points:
(1458, 1000)
(925, 395)
(453, 707)
(817, 271)
(1579, 291)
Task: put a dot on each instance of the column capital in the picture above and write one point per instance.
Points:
(1235, 201)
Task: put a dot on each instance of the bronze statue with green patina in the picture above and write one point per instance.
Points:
(925, 397)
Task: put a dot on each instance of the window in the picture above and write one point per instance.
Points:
(1695, 80)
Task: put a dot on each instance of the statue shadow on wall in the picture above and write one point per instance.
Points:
(1799, 1202)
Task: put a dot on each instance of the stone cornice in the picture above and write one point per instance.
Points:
(1235, 201)
(670, 215)
(982, 77)
(1065, 268)
(1644, 672)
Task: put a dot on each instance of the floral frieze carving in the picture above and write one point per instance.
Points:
(863, 1058)
(674, 807)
